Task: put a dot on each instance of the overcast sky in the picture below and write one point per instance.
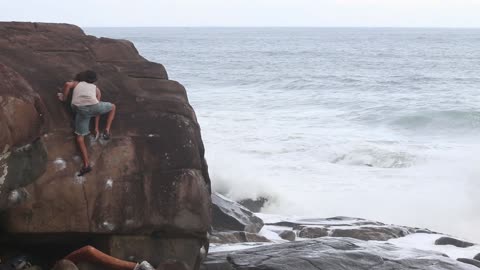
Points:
(390, 13)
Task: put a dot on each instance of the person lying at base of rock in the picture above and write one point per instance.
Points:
(91, 255)
(86, 104)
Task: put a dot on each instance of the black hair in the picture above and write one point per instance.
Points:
(90, 76)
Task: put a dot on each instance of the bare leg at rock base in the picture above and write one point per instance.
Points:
(91, 255)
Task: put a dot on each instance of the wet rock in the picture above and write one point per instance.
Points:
(453, 242)
(231, 216)
(332, 254)
(378, 233)
(236, 237)
(313, 232)
(469, 261)
(254, 205)
(348, 227)
(151, 178)
(288, 235)
(326, 222)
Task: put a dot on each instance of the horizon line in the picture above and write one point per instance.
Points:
(279, 26)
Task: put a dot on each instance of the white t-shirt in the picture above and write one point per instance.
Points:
(84, 94)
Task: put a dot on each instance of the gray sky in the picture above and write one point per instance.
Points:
(406, 13)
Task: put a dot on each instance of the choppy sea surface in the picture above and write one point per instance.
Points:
(382, 124)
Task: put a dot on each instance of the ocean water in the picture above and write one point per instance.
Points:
(375, 123)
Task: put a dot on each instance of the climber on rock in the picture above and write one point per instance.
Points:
(86, 104)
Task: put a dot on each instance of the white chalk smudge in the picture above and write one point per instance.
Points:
(107, 225)
(60, 164)
(3, 165)
(77, 159)
(18, 196)
(79, 179)
(14, 196)
(26, 147)
(129, 222)
(109, 183)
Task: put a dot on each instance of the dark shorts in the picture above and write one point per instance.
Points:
(83, 114)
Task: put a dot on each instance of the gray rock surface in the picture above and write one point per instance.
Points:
(332, 254)
(378, 233)
(452, 241)
(313, 232)
(349, 227)
(288, 235)
(469, 261)
(477, 257)
(230, 215)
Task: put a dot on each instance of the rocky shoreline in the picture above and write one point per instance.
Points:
(331, 243)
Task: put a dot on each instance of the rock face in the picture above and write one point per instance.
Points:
(149, 181)
(236, 237)
(230, 215)
(332, 254)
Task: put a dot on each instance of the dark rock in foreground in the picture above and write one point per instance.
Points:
(469, 261)
(332, 254)
(452, 241)
(230, 215)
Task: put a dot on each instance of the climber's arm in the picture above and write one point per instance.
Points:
(99, 94)
(67, 87)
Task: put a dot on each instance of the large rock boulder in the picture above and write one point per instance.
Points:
(150, 188)
(333, 254)
(231, 216)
